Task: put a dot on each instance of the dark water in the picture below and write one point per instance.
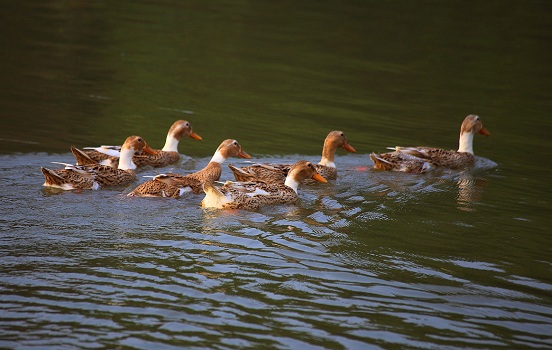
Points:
(373, 260)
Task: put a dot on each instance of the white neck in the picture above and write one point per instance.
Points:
(125, 160)
(291, 183)
(171, 144)
(326, 162)
(218, 157)
(466, 143)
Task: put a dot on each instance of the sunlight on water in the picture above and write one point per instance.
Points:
(109, 262)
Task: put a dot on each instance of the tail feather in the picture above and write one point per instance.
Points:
(241, 174)
(376, 158)
(51, 177)
(82, 158)
(214, 198)
(237, 170)
(82, 171)
(381, 163)
(68, 181)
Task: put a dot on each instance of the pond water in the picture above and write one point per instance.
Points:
(372, 260)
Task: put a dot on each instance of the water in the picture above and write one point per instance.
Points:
(373, 260)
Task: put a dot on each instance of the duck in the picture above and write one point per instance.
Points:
(421, 159)
(252, 195)
(109, 155)
(277, 172)
(93, 175)
(175, 185)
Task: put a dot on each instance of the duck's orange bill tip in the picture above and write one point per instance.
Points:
(484, 131)
(349, 148)
(149, 150)
(195, 136)
(361, 168)
(319, 178)
(242, 154)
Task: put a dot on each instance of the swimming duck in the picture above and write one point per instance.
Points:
(174, 185)
(251, 195)
(277, 172)
(94, 176)
(109, 155)
(422, 159)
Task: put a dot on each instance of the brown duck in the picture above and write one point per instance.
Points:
(252, 195)
(109, 155)
(422, 159)
(93, 175)
(174, 185)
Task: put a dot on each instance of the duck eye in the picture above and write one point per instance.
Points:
(187, 125)
(235, 143)
(139, 140)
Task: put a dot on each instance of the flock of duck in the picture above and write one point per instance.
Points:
(256, 184)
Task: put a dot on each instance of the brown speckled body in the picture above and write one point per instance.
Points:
(109, 176)
(85, 176)
(69, 178)
(252, 195)
(170, 185)
(277, 193)
(260, 172)
(442, 158)
(161, 159)
(398, 161)
(105, 175)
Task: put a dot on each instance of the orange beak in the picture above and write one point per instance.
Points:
(242, 154)
(319, 178)
(195, 136)
(484, 131)
(149, 150)
(349, 148)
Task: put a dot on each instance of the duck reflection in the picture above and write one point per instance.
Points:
(470, 190)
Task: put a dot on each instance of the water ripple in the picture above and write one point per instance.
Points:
(352, 265)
